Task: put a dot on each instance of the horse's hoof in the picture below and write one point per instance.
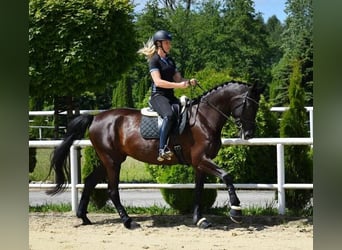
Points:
(134, 225)
(203, 223)
(85, 220)
(130, 224)
(235, 214)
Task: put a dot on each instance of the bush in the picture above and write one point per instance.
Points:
(181, 199)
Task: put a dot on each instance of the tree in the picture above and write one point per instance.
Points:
(246, 36)
(274, 29)
(122, 94)
(297, 43)
(298, 164)
(77, 46)
(206, 39)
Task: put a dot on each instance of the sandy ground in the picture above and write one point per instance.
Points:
(64, 231)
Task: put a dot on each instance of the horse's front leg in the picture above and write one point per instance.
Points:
(113, 190)
(235, 212)
(208, 166)
(198, 219)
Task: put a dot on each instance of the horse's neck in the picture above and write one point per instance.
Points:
(219, 105)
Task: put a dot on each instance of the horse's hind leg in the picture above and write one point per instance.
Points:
(113, 190)
(89, 184)
(198, 219)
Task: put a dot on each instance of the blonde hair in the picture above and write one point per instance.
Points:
(148, 50)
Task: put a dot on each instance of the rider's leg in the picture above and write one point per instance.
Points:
(163, 106)
(164, 151)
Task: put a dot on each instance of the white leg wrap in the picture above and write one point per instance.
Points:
(236, 207)
(200, 221)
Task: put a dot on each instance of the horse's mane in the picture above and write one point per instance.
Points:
(196, 100)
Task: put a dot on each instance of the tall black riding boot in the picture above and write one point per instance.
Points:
(164, 151)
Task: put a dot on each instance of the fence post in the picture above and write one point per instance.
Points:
(311, 123)
(281, 178)
(74, 178)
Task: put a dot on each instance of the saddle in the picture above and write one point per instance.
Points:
(151, 121)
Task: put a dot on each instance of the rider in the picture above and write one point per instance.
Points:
(165, 78)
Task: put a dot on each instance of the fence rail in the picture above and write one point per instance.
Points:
(280, 186)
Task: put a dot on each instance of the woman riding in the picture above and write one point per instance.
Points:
(165, 78)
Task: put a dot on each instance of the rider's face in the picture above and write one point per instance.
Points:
(166, 45)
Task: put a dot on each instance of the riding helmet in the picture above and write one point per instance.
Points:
(161, 35)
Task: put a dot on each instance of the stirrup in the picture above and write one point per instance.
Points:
(164, 154)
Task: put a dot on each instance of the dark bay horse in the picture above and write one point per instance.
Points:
(115, 134)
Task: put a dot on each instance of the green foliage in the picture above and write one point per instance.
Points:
(181, 199)
(98, 197)
(122, 93)
(297, 43)
(76, 45)
(208, 79)
(247, 38)
(298, 159)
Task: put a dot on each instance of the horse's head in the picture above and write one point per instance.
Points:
(245, 110)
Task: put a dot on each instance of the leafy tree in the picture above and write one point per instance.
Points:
(247, 38)
(297, 43)
(206, 38)
(274, 29)
(298, 164)
(75, 46)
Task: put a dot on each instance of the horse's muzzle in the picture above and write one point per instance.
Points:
(246, 135)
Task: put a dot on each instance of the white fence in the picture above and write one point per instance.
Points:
(280, 186)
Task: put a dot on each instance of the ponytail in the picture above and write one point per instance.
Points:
(148, 50)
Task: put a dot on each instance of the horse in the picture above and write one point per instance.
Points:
(115, 135)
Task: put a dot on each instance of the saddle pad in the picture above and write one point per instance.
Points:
(149, 127)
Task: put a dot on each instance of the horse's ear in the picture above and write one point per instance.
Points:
(257, 88)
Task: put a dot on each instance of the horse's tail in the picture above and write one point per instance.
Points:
(75, 131)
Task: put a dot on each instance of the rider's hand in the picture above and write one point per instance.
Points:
(193, 82)
(185, 84)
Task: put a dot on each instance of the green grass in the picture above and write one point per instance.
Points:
(161, 210)
(131, 170)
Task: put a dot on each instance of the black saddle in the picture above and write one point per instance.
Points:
(151, 121)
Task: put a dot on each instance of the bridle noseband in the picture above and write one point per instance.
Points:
(245, 98)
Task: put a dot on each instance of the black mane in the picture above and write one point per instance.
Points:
(196, 100)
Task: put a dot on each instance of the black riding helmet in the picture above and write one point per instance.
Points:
(161, 35)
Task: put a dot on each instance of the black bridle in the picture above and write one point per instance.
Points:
(245, 98)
